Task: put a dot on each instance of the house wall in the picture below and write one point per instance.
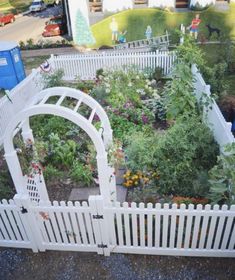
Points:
(161, 3)
(202, 2)
(117, 5)
(73, 6)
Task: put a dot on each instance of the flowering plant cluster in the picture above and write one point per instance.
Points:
(131, 85)
(139, 178)
(116, 154)
(189, 200)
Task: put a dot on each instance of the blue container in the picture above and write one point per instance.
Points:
(11, 65)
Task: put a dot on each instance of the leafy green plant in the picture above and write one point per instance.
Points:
(30, 43)
(81, 173)
(52, 173)
(139, 156)
(178, 93)
(61, 153)
(85, 86)
(216, 77)
(54, 79)
(222, 177)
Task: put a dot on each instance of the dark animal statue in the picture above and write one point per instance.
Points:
(213, 30)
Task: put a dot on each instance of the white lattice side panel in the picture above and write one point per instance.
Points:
(32, 189)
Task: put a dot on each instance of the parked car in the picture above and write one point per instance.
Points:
(55, 26)
(6, 19)
(37, 6)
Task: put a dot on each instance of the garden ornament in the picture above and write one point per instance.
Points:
(213, 30)
(114, 28)
(194, 26)
(148, 32)
(122, 37)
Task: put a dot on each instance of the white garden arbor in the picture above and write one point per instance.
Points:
(102, 138)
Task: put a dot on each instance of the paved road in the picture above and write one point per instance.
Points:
(28, 26)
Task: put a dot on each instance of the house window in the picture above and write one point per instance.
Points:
(95, 5)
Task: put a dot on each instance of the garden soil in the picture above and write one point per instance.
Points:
(22, 264)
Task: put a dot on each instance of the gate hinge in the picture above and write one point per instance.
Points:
(102, 246)
(23, 210)
(97, 217)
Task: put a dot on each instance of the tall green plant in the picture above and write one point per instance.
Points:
(178, 92)
(223, 177)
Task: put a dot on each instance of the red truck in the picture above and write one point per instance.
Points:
(6, 19)
(54, 27)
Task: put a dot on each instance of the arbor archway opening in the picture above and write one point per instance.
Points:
(41, 105)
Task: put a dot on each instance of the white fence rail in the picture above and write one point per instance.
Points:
(169, 230)
(101, 228)
(85, 66)
(213, 117)
(18, 99)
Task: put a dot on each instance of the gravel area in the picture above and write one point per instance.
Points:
(22, 264)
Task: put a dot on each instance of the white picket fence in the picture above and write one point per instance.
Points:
(19, 96)
(85, 66)
(213, 117)
(115, 228)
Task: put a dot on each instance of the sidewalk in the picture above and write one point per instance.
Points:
(22, 264)
(48, 51)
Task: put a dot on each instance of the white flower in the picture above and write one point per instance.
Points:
(130, 84)
(137, 77)
(107, 90)
(156, 95)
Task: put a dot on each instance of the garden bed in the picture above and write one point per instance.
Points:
(159, 137)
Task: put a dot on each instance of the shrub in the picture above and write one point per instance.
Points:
(184, 151)
(216, 77)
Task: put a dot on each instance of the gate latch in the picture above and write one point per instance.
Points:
(97, 217)
(102, 246)
(23, 210)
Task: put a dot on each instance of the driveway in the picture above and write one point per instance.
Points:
(22, 264)
(28, 26)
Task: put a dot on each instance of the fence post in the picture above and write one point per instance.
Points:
(99, 224)
(29, 221)
(52, 62)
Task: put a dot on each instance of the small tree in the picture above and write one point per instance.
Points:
(83, 35)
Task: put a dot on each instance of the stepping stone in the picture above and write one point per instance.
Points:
(82, 194)
(119, 176)
(121, 193)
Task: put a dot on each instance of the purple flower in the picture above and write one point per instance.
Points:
(145, 119)
(128, 105)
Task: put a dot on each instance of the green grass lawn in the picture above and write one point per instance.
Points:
(136, 21)
(16, 6)
(34, 62)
